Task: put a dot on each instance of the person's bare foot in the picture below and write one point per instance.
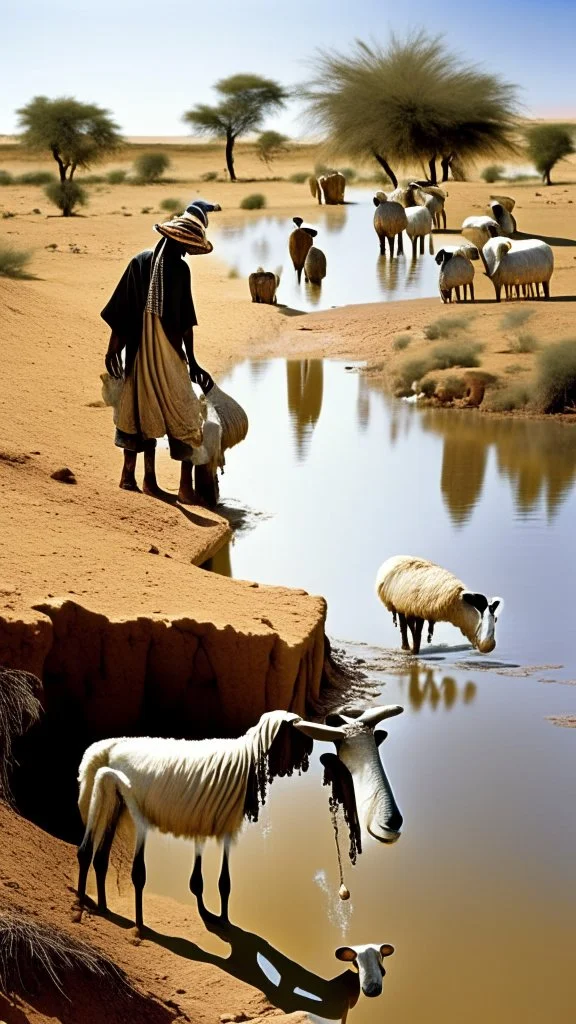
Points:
(127, 484)
(152, 489)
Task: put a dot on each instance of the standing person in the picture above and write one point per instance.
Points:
(152, 319)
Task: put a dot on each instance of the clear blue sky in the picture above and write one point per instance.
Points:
(149, 61)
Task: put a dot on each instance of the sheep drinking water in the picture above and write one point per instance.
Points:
(299, 245)
(415, 590)
(203, 788)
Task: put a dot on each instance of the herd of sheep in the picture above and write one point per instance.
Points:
(519, 266)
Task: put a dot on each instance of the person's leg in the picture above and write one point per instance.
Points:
(186, 493)
(128, 477)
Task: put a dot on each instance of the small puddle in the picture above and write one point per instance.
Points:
(478, 895)
(356, 271)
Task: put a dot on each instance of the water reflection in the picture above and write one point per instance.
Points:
(423, 689)
(305, 386)
(289, 986)
(537, 457)
(347, 237)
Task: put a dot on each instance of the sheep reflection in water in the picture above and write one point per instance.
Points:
(424, 689)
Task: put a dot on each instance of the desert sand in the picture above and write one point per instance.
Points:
(91, 544)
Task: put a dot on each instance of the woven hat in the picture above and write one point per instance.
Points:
(188, 231)
(200, 208)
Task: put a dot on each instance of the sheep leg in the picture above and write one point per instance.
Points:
(102, 859)
(400, 244)
(416, 625)
(224, 885)
(421, 245)
(139, 877)
(391, 245)
(430, 244)
(443, 215)
(403, 631)
(497, 291)
(414, 248)
(197, 882)
(546, 289)
(457, 290)
(84, 855)
(471, 290)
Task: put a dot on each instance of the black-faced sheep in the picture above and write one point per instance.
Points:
(417, 590)
(456, 272)
(479, 230)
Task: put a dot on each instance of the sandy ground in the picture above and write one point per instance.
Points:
(93, 541)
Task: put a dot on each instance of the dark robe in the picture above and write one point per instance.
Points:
(124, 313)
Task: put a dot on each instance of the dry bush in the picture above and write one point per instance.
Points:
(492, 173)
(456, 353)
(452, 387)
(36, 178)
(172, 205)
(19, 709)
(209, 176)
(13, 261)
(514, 368)
(150, 167)
(116, 177)
(525, 342)
(517, 396)
(555, 387)
(446, 327)
(255, 201)
(415, 369)
(428, 386)
(401, 342)
(299, 177)
(34, 956)
(6, 178)
(515, 318)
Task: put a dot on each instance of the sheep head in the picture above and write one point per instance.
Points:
(356, 770)
(486, 607)
(368, 962)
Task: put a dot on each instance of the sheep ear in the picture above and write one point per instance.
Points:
(494, 603)
(380, 736)
(345, 953)
(478, 601)
(386, 949)
(376, 201)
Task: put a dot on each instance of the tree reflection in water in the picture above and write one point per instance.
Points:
(305, 385)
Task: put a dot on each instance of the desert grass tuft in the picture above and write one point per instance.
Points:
(555, 386)
(13, 262)
(172, 205)
(446, 327)
(525, 342)
(516, 396)
(493, 172)
(35, 955)
(19, 708)
(456, 353)
(401, 342)
(255, 201)
(515, 318)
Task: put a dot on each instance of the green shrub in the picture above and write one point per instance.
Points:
(66, 195)
(556, 377)
(456, 353)
(36, 178)
(415, 369)
(349, 173)
(117, 176)
(93, 179)
(172, 205)
(428, 386)
(233, 273)
(150, 167)
(209, 176)
(300, 177)
(401, 342)
(13, 261)
(446, 327)
(492, 173)
(525, 342)
(6, 178)
(507, 399)
(255, 201)
(515, 318)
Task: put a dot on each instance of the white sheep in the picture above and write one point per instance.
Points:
(415, 589)
(418, 225)
(456, 271)
(315, 265)
(479, 229)
(433, 198)
(503, 217)
(206, 788)
(389, 221)
(519, 264)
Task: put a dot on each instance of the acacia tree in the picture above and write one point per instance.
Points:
(245, 101)
(76, 134)
(413, 101)
(548, 143)
(270, 145)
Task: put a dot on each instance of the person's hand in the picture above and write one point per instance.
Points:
(113, 358)
(201, 377)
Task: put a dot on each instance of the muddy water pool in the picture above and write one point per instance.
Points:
(355, 270)
(478, 895)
